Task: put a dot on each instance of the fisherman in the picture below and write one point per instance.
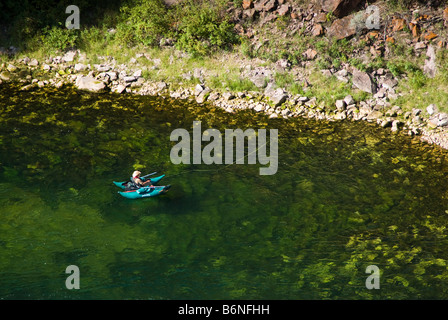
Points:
(137, 183)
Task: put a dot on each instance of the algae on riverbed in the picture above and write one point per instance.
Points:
(346, 196)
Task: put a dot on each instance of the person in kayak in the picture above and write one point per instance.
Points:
(138, 182)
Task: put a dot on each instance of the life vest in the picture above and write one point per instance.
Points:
(132, 185)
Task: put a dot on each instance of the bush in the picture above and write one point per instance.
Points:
(143, 22)
(203, 27)
(59, 38)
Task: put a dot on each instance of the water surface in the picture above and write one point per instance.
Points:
(346, 196)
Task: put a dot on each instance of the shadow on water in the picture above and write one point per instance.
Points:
(345, 196)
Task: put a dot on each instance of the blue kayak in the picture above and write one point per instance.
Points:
(143, 192)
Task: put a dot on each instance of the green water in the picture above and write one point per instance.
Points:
(346, 196)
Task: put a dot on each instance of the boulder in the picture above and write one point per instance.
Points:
(342, 28)
(431, 109)
(247, 4)
(5, 75)
(202, 97)
(340, 104)
(89, 83)
(119, 89)
(80, 67)
(277, 97)
(339, 8)
(69, 56)
(283, 10)
(362, 81)
(430, 68)
(33, 63)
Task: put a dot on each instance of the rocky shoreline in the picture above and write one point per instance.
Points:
(430, 124)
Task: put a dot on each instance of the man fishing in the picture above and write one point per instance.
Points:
(137, 182)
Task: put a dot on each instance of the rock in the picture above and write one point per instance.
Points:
(89, 83)
(385, 123)
(420, 45)
(33, 63)
(342, 28)
(388, 83)
(247, 4)
(429, 36)
(430, 68)
(362, 81)
(317, 30)
(259, 108)
(129, 78)
(431, 109)
(283, 10)
(137, 73)
(11, 68)
(119, 89)
(260, 77)
(320, 17)
(213, 96)
(438, 120)
(5, 75)
(102, 67)
(161, 86)
(270, 5)
(278, 97)
(310, 54)
(340, 104)
(341, 115)
(285, 112)
(69, 56)
(395, 125)
(249, 13)
(59, 84)
(339, 8)
(326, 72)
(80, 67)
(228, 95)
(374, 115)
(349, 100)
(283, 64)
(112, 75)
(202, 97)
(398, 24)
(416, 111)
(198, 89)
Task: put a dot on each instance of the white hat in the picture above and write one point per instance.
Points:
(136, 173)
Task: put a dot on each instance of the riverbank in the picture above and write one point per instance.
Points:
(74, 68)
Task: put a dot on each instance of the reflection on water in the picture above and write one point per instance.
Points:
(346, 196)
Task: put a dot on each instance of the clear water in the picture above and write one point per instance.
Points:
(346, 196)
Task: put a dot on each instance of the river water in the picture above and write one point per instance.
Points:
(346, 196)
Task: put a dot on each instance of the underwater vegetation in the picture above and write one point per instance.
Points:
(346, 196)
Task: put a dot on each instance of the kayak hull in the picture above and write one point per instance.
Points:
(145, 192)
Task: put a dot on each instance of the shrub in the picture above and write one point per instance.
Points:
(143, 22)
(59, 38)
(203, 27)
